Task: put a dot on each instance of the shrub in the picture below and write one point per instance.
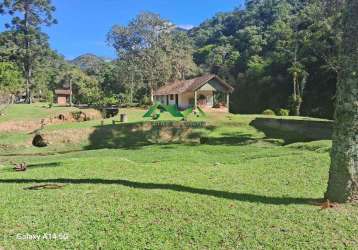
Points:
(283, 112)
(156, 116)
(268, 112)
(49, 99)
(146, 101)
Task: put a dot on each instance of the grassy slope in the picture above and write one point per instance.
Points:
(23, 112)
(241, 190)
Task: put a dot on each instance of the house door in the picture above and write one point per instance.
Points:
(177, 100)
(202, 101)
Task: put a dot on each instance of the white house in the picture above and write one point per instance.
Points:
(207, 92)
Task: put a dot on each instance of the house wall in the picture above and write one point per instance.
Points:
(62, 100)
(163, 99)
(186, 100)
(171, 101)
(209, 96)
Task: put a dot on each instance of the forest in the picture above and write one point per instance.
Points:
(278, 54)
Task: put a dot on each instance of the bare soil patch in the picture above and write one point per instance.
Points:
(33, 125)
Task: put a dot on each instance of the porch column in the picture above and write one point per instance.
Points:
(228, 101)
(152, 96)
(195, 99)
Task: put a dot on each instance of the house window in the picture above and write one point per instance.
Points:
(172, 97)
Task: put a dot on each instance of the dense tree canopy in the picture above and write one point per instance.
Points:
(26, 38)
(153, 51)
(277, 54)
(10, 78)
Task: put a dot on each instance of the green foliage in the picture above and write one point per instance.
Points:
(283, 112)
(146, 100)
(268, 112)
(26, 40)
(86, 88)
(11, 80)
(110, 100)
(257, 49)
(151, 53)
(91, 64)
(50, 97)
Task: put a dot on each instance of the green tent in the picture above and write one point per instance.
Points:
(172, 109)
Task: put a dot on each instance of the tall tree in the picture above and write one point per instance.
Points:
(141, 39)
(160, 54)
(27, 18)
(10, 83)
(86, 89)
(10, 78)
(343, 174)
(261, 42)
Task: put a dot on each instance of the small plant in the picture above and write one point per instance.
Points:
(49, 99)
(156, 116)
(283, 112)
(146, 101)
(268, 112)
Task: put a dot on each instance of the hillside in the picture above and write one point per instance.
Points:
(255, 48)
(89, 62)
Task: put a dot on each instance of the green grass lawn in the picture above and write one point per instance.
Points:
(23, 112)
(238, 190)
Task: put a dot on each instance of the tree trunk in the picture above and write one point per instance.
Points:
(151, 95)
(28, 61)
(28, 86)
(298, 105)
(343, 174)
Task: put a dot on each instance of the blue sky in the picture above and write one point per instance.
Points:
(83, 24)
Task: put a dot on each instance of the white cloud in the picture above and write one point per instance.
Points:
(185, 26)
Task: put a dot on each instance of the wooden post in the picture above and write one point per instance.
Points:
(152, 96)
(71, 92)
(228, 101)
(195, 100)
(124, 118)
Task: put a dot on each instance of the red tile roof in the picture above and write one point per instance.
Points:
(179, 87)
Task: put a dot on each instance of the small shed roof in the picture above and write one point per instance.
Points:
(182, 86)
(63, 92)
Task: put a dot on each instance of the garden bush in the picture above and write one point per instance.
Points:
(283, 112)
(268, 112)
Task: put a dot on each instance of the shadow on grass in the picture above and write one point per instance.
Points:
(45, 165)
(43, 153)
(231, 139)
(36, 165)
(177, 188)
(293, 131)
(285, 136)
(137, 135)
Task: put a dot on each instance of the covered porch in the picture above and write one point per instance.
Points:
(209, 92)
